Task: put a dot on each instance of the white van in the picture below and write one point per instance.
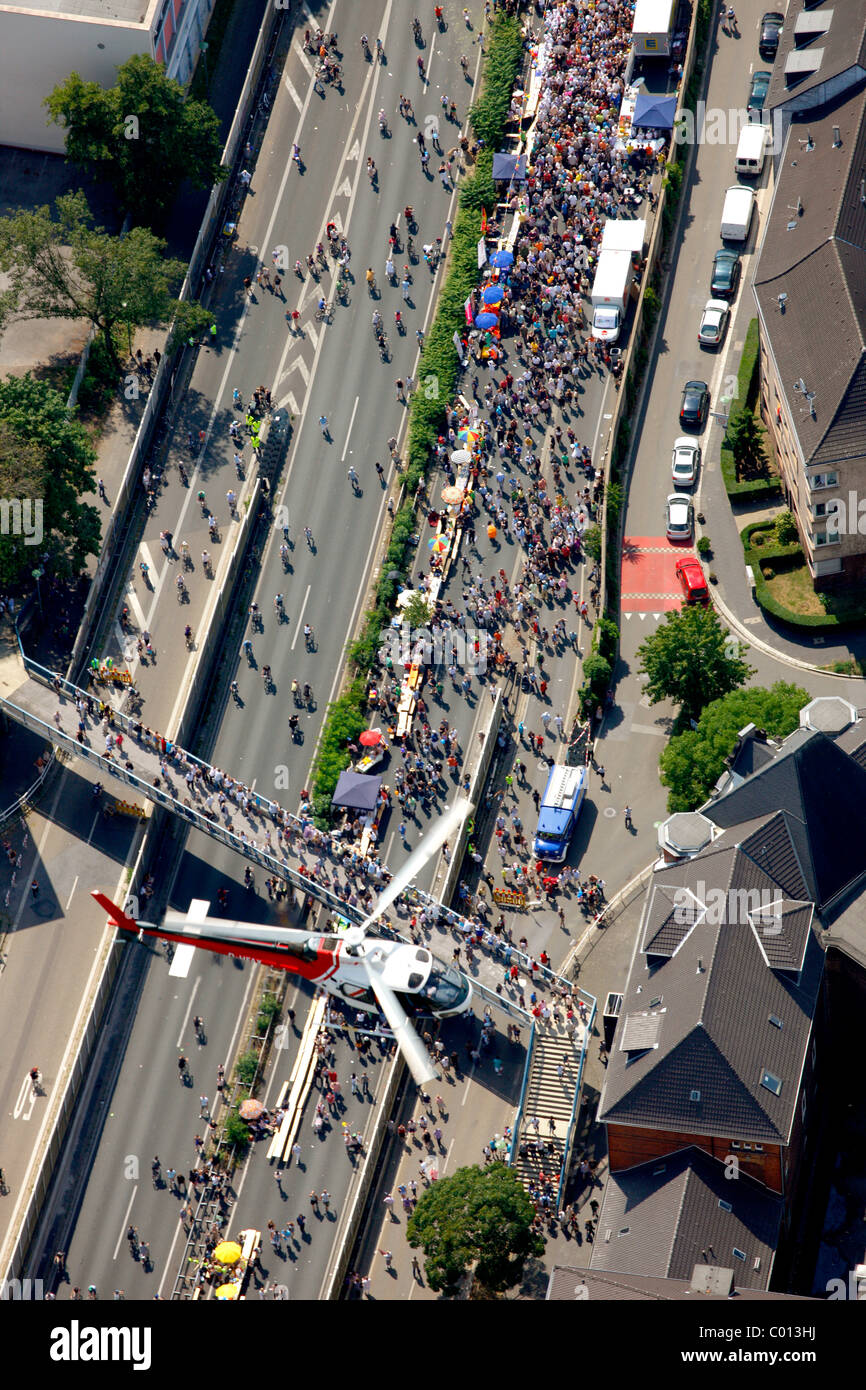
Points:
(737, 212)
(751, 149)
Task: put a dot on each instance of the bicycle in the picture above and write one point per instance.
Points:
(309, 536)
(323, 312)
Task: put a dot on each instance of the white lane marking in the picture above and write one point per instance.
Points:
(349, 431)
(301, 616)
(69, 899)
(287, 83)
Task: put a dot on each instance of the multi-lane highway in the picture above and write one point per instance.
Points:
(324, 369)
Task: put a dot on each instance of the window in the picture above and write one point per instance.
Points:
(759, 1148)
(725, 1206)
(771, 1083)
(819, 480)
(819, 538)
(739, 1254)
(694, 1095)
(776, 1021)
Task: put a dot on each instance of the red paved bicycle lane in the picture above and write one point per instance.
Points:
(648, 579)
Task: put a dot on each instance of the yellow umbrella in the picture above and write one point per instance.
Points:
(251, 1110)
(227, 1292)
(228, 1252)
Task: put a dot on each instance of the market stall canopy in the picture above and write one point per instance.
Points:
(653, 112)
(509, 166)
(370, 737)
(357, 791)
(502, 259)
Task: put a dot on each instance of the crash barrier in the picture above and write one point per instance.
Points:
(335, 1278)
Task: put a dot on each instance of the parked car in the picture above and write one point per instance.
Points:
(714, 321)
(726, 274)
(685, 462)
(694, 404)
(758, 92)
(771, 29)
(679, 517)
(691, 576)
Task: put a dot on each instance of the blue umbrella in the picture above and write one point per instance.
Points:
(501, 258)
(493, 294)
(486, 321)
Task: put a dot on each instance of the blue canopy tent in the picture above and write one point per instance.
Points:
(654, 112)
(509, 166)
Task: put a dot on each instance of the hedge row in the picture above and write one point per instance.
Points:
(598, 666)
(436, 383)
(747, 390)
(787, 554)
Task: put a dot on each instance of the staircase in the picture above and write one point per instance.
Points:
(554, 1073)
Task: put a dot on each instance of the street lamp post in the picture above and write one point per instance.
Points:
(204, 55)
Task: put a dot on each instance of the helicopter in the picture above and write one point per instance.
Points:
(369, 972)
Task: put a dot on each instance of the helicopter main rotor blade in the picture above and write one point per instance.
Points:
(415, 1053)
(429, 845)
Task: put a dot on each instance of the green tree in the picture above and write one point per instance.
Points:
(143, 136)
(417, 612)
(64, 267)
(786, 528)
(745, 439)
(694, 760)
(592, 542)
(691, 659)
(46, 456)
(480, 1218)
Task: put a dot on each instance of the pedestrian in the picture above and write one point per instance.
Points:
(404, 288)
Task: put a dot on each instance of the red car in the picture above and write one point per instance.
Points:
(691, 576)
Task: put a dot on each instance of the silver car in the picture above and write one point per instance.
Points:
(679, 517)
(714, 321)
(685, 462)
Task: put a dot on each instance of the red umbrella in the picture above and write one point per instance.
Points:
(370, 737)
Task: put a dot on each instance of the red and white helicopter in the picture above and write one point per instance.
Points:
(368, 972)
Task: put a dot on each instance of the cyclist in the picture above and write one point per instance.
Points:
(144, 567)
(295, 690)
(371, 167)
(180, 584)
(266, 675)
(248, 648)
(231, 498)
(365, 44)
(308, 692)
(308, 633)
(377, 320)
(370, 277)
(234, 690)
(254, 613)
(352, 476)
(184, 550)
(181, 1066)
(198, 1023)
(35, 1077)
(205, 559)
(379, 48)
(187, 632)
(293, 723)
(296, 154)
(419, 334)
(322, 306)
(383, 119)
(299, 270)
(237, 399)
(309, 535)
(284, 552)
(278, 603)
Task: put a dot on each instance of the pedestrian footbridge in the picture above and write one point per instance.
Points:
(289, 846)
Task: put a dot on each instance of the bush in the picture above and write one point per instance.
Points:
(237, 1132)
(704, 546)
(592, 542)
(785, 529)
(246, 1068)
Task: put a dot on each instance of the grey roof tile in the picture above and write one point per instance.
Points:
(661, 1219)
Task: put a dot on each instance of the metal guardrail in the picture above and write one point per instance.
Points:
(515, 1136)
(566, 1156)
